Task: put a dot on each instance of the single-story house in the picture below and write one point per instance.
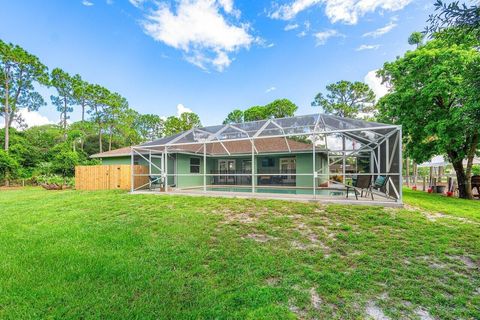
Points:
(301, 155)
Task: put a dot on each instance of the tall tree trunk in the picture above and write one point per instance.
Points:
(415, 172)
(100, 145)
(110, 139)
(83, 110)
(99, 123)
(407, 168)
(7, 115)
(64, 120)
(7, 125)
(468, 170)
(461, 180)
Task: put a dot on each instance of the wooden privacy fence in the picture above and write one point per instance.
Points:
(106, 177)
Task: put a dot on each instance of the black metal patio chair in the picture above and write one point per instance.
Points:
(362, 183)
(380, 182)
(154, 180)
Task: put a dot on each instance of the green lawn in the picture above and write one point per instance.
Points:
(104, 255)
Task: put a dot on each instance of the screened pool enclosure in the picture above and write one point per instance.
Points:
(308, 156)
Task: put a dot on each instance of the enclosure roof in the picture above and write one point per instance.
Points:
(304, 125)
(262, 145)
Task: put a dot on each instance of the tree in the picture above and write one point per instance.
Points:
(8, 165)
(454, 14)
(346, 99)
(184, 122)
(416, 38)
(236, 116)
(255, 113)
(149, 126)
(19, 71)
(65, 99)
(279, 108)
(97, 101)
(64, 160)
(43, 137)
(89, 134)
(116, 108)
(434, 98)
(80, 93)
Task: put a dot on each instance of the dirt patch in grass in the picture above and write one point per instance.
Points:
(259, 237)
(467, 261)
(315, 299)
(423, 314)
(374, 312)
(435, 216)
(311, 240)
(272, 281)
(300, 313)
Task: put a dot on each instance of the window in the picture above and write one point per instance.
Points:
(268, 162)
(194, 165)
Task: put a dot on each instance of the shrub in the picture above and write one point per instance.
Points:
(476, 170)
(8, 165)
(54, 181)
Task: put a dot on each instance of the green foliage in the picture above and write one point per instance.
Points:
(149, 126)
(436, 101)
(19, 72)
(54, 179)
(476, 170)
(80, 93)
(8, 164)
(432, 98)
(453, 14)
(279, 108)
(346, 99)
(416, 38)
(236, 116)
(64, 100)
(23, 150)
(64, 159)
(184, 122)
(255, 113)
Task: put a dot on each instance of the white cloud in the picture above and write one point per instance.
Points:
(380, 31)
(347, 11)
(368, 47)
(375, 83)
(87, 3)
(182, 109)
(289, 11)
(323, 36)
(136, 3)
(270, 89)
(307, 25)
(200, 30)
(302, 34)
(290, 26)
(32, 118)
(228, 7)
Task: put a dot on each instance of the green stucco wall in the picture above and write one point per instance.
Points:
(116, 160)
(180, 163)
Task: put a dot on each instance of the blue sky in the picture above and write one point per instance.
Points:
(212, 56)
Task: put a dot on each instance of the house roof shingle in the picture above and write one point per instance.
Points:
(262, 145)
